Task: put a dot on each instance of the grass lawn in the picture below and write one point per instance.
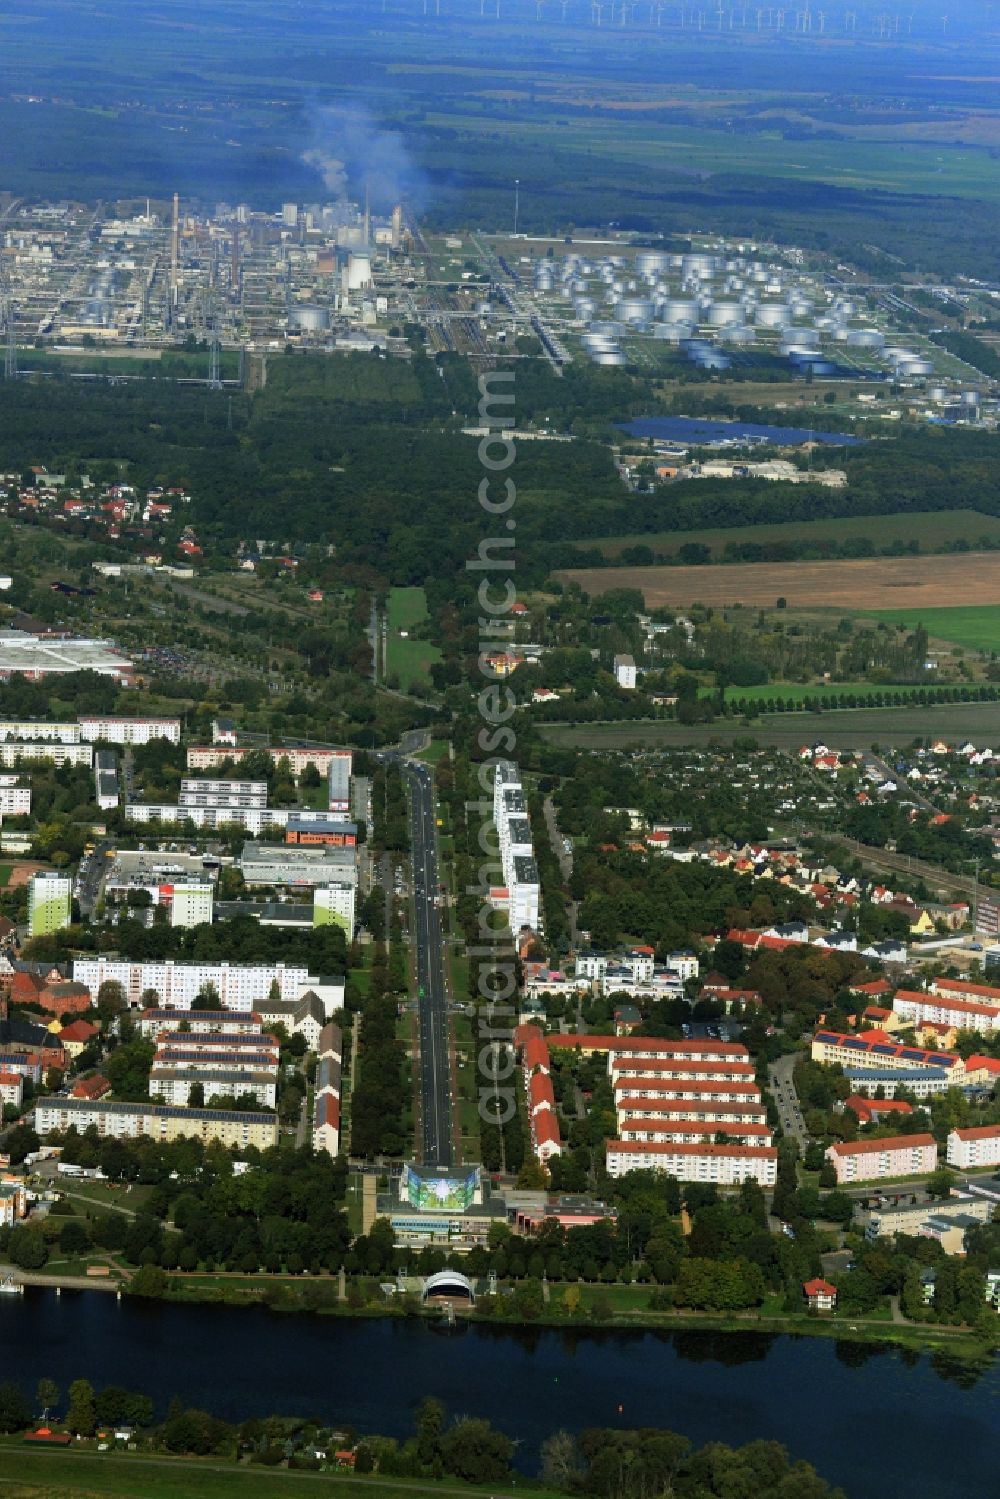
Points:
(86, 1195)
(933, 529)
(27, 1474)
(409, 660)
(5, 872)
(435, 751)
(977, 627)
(406, 607)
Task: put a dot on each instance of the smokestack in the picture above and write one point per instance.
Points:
(368, 218)
(397, 226)
(235, 267)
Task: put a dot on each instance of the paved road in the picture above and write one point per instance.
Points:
(437, 1141)
(783, 1090)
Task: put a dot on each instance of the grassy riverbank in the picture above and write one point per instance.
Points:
(27, 1473)
(580, 1306)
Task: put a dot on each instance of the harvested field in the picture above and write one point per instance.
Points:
(967, 578)
(845, 728)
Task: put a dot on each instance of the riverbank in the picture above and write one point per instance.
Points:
(124, 1476)
(601, 1308)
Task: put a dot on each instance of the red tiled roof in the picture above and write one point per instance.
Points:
(877, 1147)
(979, 1132)
(962, 986)
(819, 1288)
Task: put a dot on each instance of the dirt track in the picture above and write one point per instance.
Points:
(963, 578)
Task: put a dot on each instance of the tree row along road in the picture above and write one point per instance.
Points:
(437, 1138)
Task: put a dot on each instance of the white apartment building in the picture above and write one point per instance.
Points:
(702, 1110)
(725, 1165)
(334, 904)
(979, 1146)
(15, 799)
(211, 756)
(191, 902)
(965, 1014)
(133, 1121)
(692, 1131)
(37, 728)
(626, 675)
(254, 820)
(521, 890)
(240, 986)
(629, 1092)
(115, 730)
(339, 781)
(173, 1086)
(202, 1023)
(874, 1160)
(14, 750)
(195, 793)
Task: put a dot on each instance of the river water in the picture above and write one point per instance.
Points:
(878, 1421)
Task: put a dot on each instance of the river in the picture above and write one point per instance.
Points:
(874, 1419)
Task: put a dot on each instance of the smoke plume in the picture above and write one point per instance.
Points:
(352, 148)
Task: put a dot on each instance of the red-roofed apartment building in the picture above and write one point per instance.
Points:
(874, 1160)
(974, 1147)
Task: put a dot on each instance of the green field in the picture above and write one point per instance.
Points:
(27, 1474)
(977, 627)
(409, 660)
(933, 529)
(841, 728)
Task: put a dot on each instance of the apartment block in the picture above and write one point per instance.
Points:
(977, 1146)
(725, 1165)
(875, 1160)
(164, 1122)
(240, 986)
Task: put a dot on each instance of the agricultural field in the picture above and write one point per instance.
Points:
(845, 728)
(977, 628)
(408, 660)
(933, 530)
(916, 583)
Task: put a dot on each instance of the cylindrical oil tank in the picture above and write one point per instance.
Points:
(698, 265)
(920, 367)
(634, 310)
(309, 319)
(771, 315)
(608, 356)
(673, 333)
(736, 333)
(939, 393)
(679, 310)
(969, 398)
(866, 338)
(651, 262)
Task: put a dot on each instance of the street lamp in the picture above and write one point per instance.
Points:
(517, 185)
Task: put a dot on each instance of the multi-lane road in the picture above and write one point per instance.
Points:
(437, 1147)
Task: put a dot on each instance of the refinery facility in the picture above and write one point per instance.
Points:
(235, 284)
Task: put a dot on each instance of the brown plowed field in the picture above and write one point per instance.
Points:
(965, 579)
